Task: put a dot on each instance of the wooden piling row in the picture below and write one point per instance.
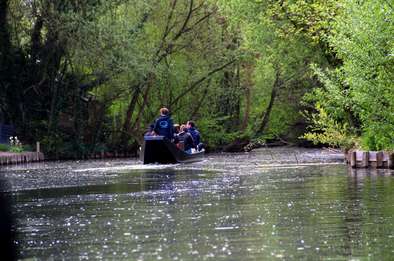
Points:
(17, 158)
(370, 159)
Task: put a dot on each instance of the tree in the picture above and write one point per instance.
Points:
(284, 38)
(359, 93)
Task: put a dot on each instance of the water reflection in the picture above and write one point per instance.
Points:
(228, 208)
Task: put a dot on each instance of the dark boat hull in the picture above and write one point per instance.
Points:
(157, 149)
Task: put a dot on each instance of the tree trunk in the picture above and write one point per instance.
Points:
(229, 99)
(200, 102)
(98, 124)
(248, 84)
(135, 130)
(266, 115)
(4, 59)
(129, 113)
(245, 119)
(36, 41)
(52, 70)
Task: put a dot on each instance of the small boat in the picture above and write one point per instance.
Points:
(158, 149)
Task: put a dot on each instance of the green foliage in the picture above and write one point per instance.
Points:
(378, 137)
(52, 144)
(15, 145)
(27, 147)
(15, 149)
(281, 38)
(214, 132)
(4, 147)
(282, 117)
(324, 129)
(359, 93)
(83, 77)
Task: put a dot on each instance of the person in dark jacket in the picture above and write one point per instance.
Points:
(191, 127)
(163, 125)
(185, 138)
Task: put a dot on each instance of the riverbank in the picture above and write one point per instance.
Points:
(23, 157)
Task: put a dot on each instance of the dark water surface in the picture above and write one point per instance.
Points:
(268, 205)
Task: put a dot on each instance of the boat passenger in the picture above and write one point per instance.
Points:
(176, 132)
(191, 126)
(176, 128)
(150, 131)
(186, 139)
(163, 125)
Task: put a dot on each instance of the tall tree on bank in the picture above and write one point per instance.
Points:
(355, 106)
(284, 38)
(91, 76)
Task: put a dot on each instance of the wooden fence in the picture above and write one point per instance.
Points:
(370, 159)
(24, 157)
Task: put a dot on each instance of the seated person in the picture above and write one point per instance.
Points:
(186, 138)
(150, 131)
(163, 125)
(191, 126)
(176, 128)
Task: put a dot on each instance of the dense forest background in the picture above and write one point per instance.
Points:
(88, 76)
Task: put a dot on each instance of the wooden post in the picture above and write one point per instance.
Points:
(348, 155)
(379, 159)
(353, 159)
(365, 159)
(390, 161)
(38, 150)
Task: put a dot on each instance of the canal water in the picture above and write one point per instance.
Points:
(271, 204)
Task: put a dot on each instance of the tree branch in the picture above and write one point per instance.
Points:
(198, 105)
(266, 114)
(145, 99)
(168, 29)
(101, 78)
(187, 19)
(198, 22)
(202, 79)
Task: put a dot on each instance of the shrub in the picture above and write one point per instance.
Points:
(27, 147)
(325, 130)
(214, 134)
(15, 145)
(16, 149)
(4, 147)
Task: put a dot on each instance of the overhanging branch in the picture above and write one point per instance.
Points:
(199, 81)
